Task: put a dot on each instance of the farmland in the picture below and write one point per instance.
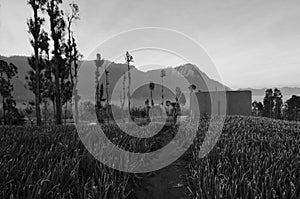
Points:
(253, 158)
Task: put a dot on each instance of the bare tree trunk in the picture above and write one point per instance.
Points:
(128, 92)
(162, 91)
(4, 109)
(76, 106)
(57, 93)
(107, 95)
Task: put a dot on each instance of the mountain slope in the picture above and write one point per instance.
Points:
(140, 79)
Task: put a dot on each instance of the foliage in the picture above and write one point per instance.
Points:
(257, 109)
(39, 41)
(10, 114)
(46, 163)
(292, 109)
(273, 104)
(253, 158)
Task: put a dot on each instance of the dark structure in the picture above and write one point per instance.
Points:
(220, 103)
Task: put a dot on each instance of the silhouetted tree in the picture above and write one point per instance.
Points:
(57, 27)
(162, 75)
(72, 54)
(39, 41)
(151, 87)
(277, 95)
(123, 97)
(292, 110)
(257, 108)
(99, 100)
(128, 59)
(44, 84)
(7, 72)
(268, 103)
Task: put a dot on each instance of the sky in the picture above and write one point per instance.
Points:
(252, 43)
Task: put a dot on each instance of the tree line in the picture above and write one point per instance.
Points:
(54, 68)
(274, 107)
(53, 74)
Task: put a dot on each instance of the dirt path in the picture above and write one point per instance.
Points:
(167, 183)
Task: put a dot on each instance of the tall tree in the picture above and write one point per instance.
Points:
(128, 59)
(179, 96)
(151, 87)
(57, 26)
(277, 95)
(76, 59)
(123, 97)
(7, 72)
(72, 53)
(162, 75)
(268, 103)
(38, 38)
(292, 110)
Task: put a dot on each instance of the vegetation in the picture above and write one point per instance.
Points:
(10, 114)
(253, 158)
(162, 75)
(43, 162)
(274, 107)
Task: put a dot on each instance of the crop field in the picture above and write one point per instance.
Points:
(253, 158)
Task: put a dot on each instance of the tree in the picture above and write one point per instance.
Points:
(72, 54)
(57, 27)
(123, 97)
(268, 103)
(151, 87)
(45, 82)
(179, 96)
(99, 89)
(76, 58)
(292, 110)
(162, 75)
(99, 100)
(128, 59)
(277, 96)
(257, 108)
(7, 72)
(39, 38)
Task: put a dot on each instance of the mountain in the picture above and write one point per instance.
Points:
(287, 92)
(284, 91)
(181, 76)
(20, 93)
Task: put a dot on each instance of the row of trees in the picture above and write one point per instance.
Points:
(274, 107)
(101, 98)
(54, 73)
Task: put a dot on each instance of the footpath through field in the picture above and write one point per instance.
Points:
(166, 183)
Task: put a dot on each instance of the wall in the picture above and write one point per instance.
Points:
(220, 103)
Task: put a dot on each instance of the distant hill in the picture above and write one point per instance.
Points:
(87, 78)
(20, 92)
(284, 91)
(287, 92)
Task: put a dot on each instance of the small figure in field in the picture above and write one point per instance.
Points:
(147, 110)
(171, 111)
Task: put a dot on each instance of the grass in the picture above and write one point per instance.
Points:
(253, 158)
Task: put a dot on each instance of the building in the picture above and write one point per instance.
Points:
(220, 103)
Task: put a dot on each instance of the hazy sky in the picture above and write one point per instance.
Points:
(253, 43)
